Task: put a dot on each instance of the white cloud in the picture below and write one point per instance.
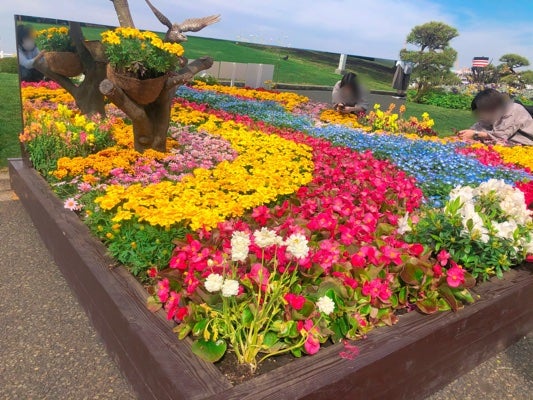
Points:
(364, 27)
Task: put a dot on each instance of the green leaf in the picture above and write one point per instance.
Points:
(270, 340)
(153, 304)
(208, 350)
(247, 317)
(199, 327)
(427, 306)
(182, 330)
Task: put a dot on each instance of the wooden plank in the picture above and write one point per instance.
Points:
(408, 361)
(156, 363)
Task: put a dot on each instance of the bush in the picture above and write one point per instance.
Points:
(440, 98)
(9, 65)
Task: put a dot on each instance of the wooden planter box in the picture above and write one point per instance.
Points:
(410, 360)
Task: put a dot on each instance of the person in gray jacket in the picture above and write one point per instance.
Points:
(348, 95)
(28, 53)
(500, 120)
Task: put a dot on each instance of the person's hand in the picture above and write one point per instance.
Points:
(466, 134)
(346, 110)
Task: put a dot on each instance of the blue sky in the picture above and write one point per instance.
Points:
(366, 27)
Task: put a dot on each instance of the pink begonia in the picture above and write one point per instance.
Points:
(455, 276)
(295, 301)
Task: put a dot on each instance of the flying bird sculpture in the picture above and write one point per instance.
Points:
(175, 33)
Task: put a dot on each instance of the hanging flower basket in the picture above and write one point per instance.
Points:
(64, 63)
(142, 91)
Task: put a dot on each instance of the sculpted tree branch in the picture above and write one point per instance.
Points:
(122, 9)
(150, 122)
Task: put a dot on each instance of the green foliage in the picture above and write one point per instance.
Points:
(446, 120)
(9, 65)
(207, 79)
(527, 77)
(140, 246)
(54, 39)
(514, 61)
(10, 117)
(432, 36)
(434, 58)
(440, 98)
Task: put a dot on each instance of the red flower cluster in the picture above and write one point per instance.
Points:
(527, 188)
(488, 156)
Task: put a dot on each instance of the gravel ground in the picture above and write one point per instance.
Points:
(49, 350)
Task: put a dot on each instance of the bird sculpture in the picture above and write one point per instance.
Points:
(175, 33)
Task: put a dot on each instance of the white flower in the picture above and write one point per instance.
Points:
(506, 229)
(266, 237)
(240, 245)
(71, 204)
(403, 224)
(325, 305)
(230, 287)
(528, 246)
(464, 193)
(297, 245)
(214, 282)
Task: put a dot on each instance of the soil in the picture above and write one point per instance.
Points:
(238, 373)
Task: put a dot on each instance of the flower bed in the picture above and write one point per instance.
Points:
(284, 233)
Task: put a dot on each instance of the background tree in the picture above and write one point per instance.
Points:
(485, 75)
(514, 61)
(434, 58)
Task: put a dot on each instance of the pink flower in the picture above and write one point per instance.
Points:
(358, 260)
(323, 221)
(163, 288)
(172, 304)
(84, 187)
(295, 301)
(377, 289)
(455, 276)
(259, 275)
(83, 137)
(312, 344)
(391, 255)
(71, 204)
(443, 257)
(261, 215)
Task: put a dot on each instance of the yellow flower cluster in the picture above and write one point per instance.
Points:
(286, 99)
(122, 155)
(334, 117)
(34, 94)
(267, 166)
(116, 36)
(50, 32)
(518, 155)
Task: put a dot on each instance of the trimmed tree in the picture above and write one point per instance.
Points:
(514, 61)
(434, 57)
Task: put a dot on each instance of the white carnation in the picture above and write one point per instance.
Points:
(214, 282)
(325, 305)
(240, 245)
(297, 245)
(230, 287)
(266, 238)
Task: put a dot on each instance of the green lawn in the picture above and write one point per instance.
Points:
(302, 66)
(10, 117)
(446, 120)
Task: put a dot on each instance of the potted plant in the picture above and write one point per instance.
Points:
(139, 62)
(59, 51)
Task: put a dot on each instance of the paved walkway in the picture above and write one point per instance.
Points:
(49, 350)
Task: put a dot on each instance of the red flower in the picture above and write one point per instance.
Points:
(261, 215)
(437, 270)
(390, 255)
(152, 272)
(416, 249)
(376, 288)
(295, 301)
(455, 276)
